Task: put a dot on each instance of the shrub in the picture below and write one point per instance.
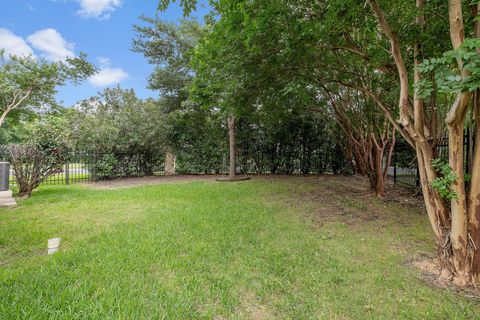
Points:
(44, 154)
(105, 167)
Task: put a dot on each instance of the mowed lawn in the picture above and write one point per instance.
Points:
(269, 248)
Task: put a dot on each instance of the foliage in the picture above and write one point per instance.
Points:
(43, 155)
(197, 137)
(104, 167)
(121, 129)
(445, 179)
(14, 131)
(187, 5)
(28, 84)
(169, 47)
(117, 121)
(286, 142)
(447, 76)
(115, 165)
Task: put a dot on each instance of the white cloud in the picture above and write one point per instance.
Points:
(14, 44)
(52, 45)
(30, 7)
(104, 61)
(100, 9)
(108, 76)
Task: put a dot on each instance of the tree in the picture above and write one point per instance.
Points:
(198, 139)
(117, 121)
(169, 47)
(455, 218)
(408, 31)
(43, 154)
(27, 83)
(349, 40)
(370, 138)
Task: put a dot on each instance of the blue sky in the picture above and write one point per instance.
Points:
(55, 29)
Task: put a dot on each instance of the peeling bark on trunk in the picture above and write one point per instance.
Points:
(365, 145)
(474, 195)
(456, 125)
(473, 200)
(458, 233)
(456, 229)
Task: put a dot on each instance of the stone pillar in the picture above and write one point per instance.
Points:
(169, 163)
(6, 199)
(4, 176)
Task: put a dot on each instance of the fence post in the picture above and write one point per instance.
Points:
(395, 164)
(466, 143)
(67, 173)
(417, 177)
(95, 166)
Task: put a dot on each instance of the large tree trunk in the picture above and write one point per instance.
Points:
(232, 147)
(169, 163)
(474, 195)
(380, 185)
(473, 210)
(457, 229)
(434, 204)
(456, 121)
(458, 233)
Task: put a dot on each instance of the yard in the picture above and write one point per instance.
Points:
(278, 247)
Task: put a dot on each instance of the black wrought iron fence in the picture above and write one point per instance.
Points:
(84, 167)
(404, 168)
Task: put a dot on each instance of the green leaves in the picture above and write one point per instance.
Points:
(443, 183)
(28, 84)
(169, 47)
(187, 5)
(118, 121)
(447, 75)
(42, 155)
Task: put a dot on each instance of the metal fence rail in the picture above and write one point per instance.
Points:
(404, 169)
(84, 167)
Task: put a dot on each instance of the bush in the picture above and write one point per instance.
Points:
(105, 167)
(44, 154)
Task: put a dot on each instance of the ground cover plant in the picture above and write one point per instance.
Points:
(270, 248)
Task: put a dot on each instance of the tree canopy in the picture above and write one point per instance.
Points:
(375, 65)
(28, 84)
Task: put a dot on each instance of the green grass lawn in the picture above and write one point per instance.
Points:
(297, 248)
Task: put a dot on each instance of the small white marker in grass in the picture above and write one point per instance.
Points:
(53, 245)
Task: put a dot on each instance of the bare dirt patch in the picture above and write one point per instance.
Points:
(347, 199)
(250, 308)
(431, 273)
(404, 196)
